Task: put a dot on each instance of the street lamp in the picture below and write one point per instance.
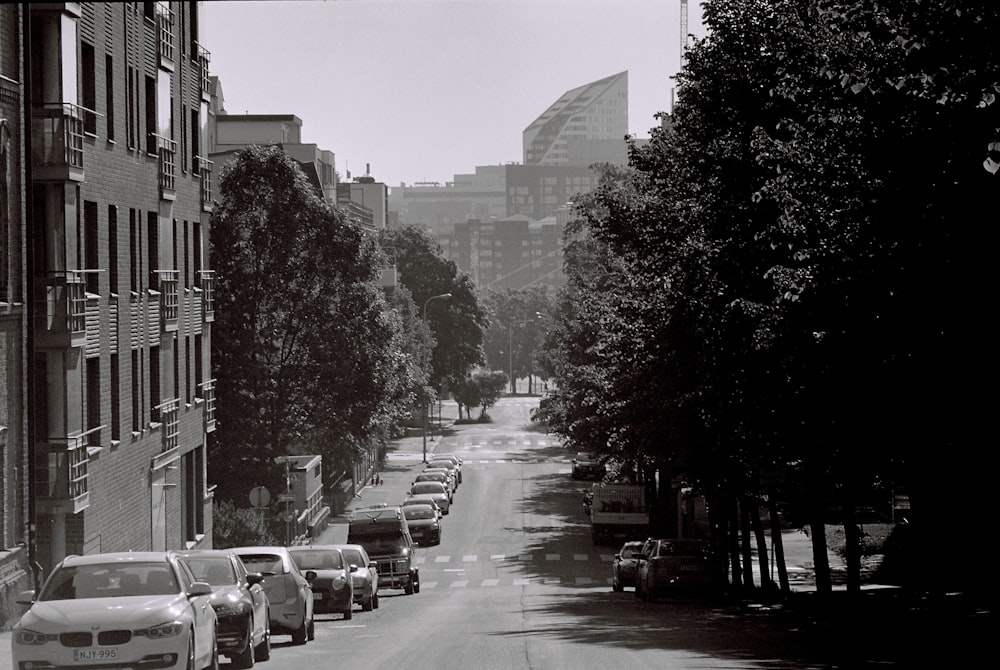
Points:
(427, 302)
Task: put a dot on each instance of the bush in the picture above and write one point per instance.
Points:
(239, 527)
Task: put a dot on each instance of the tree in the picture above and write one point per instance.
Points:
(458, 322)
(308, 356)
(517, 323)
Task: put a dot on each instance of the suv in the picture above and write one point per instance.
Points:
(586, 466)
(385, 535)
(674, 566)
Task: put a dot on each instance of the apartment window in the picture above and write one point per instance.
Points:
(133, 250)
(116, 393)
(93, 399)
(198, 377)
(195, 141)
(132, 112)
(136, 392)
(185, 280)
(113, 249)
(150, 115)
(153, 247)
(177, 370)
(154, 382)
(187, 370)
(109, 96)
(91, 260)
(89, 91)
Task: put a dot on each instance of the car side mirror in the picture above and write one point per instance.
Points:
(618, 557)
(372, 565)
(254, 578)
(25, 598)
(199, 589)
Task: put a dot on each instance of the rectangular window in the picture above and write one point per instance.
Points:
(90, 239)
(153, 248)
(113, 287)
(187, 370)
(136, 392)
(109, 96)
(132, 112)
(185, 250)
(133, 250)
(116, 398)
(199, 378)
(184, 139)
(89, 91)
(154, 382)
(150, 115)
(93, 400)
(178, 382)
(195, 141)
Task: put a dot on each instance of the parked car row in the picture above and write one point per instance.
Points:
(661, 567)
(430, 498)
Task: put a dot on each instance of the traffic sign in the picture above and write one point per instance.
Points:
(286, 497)
(259, 496)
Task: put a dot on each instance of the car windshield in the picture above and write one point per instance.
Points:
(110, 580)
(318, 560)
(427, 487)
(630, 550)
(215, 570)
(262, 563)
(419, 512)
(353, 557)
(381, 543)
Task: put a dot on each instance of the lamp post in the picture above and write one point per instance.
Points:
(426, 404)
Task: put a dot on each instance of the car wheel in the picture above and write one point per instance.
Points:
(190, 652)
(263, 650)
(214, 664)
(375, 601)
(367, 603)
(247, 657)
(311, 630)
(616, 585)
(349, 612)
(408, 589)
(301, 634)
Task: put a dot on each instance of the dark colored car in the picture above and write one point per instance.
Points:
(333, 589)
(364, 575)
(675, 566)
(625, 564)
(586, 466)
(240, 604)
(288, 592)
(425, 524)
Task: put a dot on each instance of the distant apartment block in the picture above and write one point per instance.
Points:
(437, 207)
(593, 113)
(108, 169)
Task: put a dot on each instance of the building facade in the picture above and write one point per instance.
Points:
(438, 207)
(118, 197)
(594, 112)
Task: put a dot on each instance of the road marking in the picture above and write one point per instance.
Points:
(470, 559)
(584, 580)
(497, 557)
(607, 557)
(428, 585)
(459, 584)
(442, 559)
(421, 559)
(524, 557)
(580, 557)
(551, 557)
(490, 582)
(521, 582)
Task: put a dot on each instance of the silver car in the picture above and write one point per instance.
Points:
(436, 489)
(287, 588)
(364, 574)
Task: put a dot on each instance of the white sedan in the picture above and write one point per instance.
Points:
(130, 609)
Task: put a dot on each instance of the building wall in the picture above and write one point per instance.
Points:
(537, 191)
(134, 236)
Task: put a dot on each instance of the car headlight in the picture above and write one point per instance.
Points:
(27, 636)
(168, 629)
(339, 582)
(231, 609)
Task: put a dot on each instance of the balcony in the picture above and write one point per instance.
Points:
(207, 393)
(205, 168)
(166, 151)
(57, 142)
(207, 280)
(61, 310)
(165, 28)
(169, 299)
(61, 470)
(206, 80)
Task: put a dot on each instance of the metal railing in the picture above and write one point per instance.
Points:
(62, 301)
(169, 296)
(165, 28)
(166, 149)
(57, 135)
(208, 293)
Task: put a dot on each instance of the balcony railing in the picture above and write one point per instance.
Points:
(61, 468)
(169, 298)
(205, 167)
(166, 150)
(57, 142)
(208, 294)
(61, 309)
(206, 80)
(208, 394)
(165, 27)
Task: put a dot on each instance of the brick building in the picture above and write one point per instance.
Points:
(118, 295)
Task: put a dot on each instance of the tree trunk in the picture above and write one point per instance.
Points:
(733, 521)
(753, 509)
(852, 537)
(821, 563)
(745, 549)
(779, 546)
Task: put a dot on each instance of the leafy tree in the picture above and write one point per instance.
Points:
(234, 526)
(308, 356)
(457, 322)
(517, 323)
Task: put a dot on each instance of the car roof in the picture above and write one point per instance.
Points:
(120, 557)
(314, 547)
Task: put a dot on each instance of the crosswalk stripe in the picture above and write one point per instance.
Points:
(490, 582)
(442, 559)
(470, 559)
(497, 557)
(551, 557)
(459, 584)
(580, 557)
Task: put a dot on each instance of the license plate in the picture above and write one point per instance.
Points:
(317, 596)
(80, 655)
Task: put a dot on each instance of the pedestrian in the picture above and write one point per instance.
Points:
(378, 480)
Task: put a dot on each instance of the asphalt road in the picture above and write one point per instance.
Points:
(517, 584)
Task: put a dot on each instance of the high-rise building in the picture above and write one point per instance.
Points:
(115, 197)
(587, 124)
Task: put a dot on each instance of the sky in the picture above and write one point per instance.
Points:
(422, 90)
